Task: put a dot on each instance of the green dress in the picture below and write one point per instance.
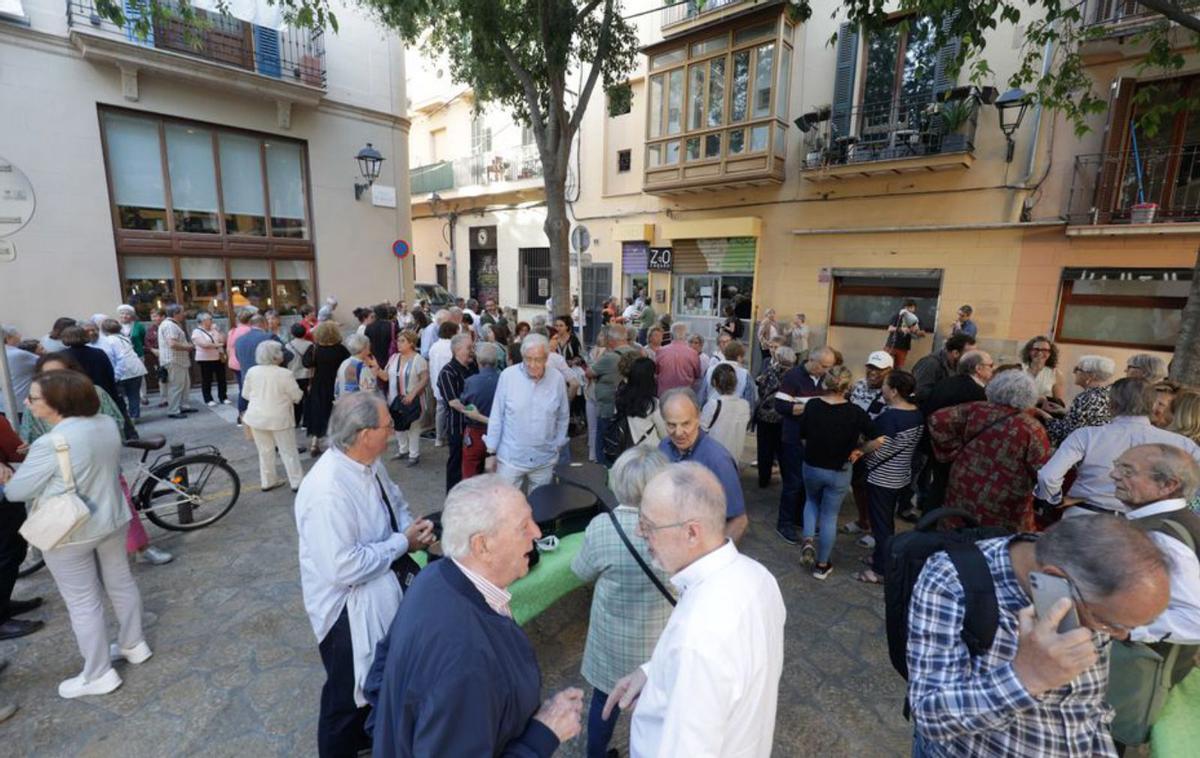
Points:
(33, 427)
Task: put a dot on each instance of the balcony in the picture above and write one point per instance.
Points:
(1116, 13)
(909, 135)
(1120, 193)
(690, 15)
(285, 64)
(481, 173)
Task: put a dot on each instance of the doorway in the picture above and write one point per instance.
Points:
(484, 279)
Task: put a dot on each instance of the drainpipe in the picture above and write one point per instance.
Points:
(1031, 162)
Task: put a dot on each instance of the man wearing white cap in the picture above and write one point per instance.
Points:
(867, 393)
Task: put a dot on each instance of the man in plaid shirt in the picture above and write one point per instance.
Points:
(1035, 692)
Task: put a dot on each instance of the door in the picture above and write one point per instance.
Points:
(484, 280)
(443, 275)
(597, 287)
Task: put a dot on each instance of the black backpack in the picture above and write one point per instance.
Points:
(905, 556)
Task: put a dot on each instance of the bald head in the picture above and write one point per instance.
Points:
(683, 515)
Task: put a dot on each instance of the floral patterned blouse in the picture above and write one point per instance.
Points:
(1090, 408)
(997, 452)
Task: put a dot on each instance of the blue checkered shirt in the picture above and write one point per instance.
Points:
(966, 706)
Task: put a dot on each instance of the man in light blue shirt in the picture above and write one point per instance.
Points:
(429, 334)
(528, 423)
(20, 368)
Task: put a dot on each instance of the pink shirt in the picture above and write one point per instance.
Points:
(208, 343)
(234, 333)
(678, 366)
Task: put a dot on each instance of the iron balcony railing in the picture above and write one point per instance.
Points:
(290, 54)
(901, 128)
(1106, 12)
(673, 14)
(1155, 185)
(493, 167)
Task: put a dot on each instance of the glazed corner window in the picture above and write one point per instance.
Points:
(242, 185)
(1135, 308)
(535, 275)
(871, 298)
(285, 187)
(135, 168)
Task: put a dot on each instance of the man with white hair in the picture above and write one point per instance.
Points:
(456, 676)
(712, 685)
(353, 523)
(21, 364)
(677, 364)
(528, 423)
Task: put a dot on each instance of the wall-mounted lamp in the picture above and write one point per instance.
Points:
(1011, 108)
(369, 162)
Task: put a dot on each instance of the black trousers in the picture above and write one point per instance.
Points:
(299, 408)
(454, 443)
(770, 438)
(340, 731)
(884, 502)
(12, 550)
(212, 371)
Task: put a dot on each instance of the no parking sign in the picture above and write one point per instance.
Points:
(400, 248)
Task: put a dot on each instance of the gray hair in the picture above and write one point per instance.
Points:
(696, 493)
(1102, 554)
(245, 314)
(693, 337)
(457, 340)
(533, 340)
(1172, 463)
(1150, 365)
(1098, 367)
(269, 353)
(471, 509)
(675, 392)
(487, 332)
(785, 355)
(633, 470)
(679, 331)
(356, 343)
(8, 331)
(110, 326)
(441, 316)
(203, 316)
(173, 310)
(1131, 397)
(1014, 389)
(351, 414)
(126, 308)
(970, 361)
(258, 319)
(618, 332)
(486, 353)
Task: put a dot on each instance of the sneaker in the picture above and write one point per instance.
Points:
(852, 528)
(211, 403)
(822, 571)
(788, 535)
(400, 457)
(76, 686)
(912, 515)
(808, 554)
(438, 443)
(226, 401)
(412, 462)
(139, 653)
(866, 541)
(154, 556)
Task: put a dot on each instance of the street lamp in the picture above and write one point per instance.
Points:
(369, 161)
(1011, 109)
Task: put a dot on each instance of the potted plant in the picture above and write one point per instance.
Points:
(814, 143)
(956, 114)
(817, 115)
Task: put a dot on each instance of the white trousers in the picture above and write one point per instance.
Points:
(525, 480)
(267, 441)
(409, 442)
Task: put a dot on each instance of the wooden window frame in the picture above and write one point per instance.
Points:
(841, 290)
(1067, 297)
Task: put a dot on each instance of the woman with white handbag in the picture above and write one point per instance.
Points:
(79, 520)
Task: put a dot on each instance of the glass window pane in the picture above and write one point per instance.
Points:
(149, 283)
(654, 155)
(667, 58)
(1133, 287)
(242, 184)
(693, 149)
(710, 45)
(883, 47)
(762, 80)
(285, 183)
(878, 310)
(675, 101)
(696, 96)
(193, 179)
(920, 61)
(712, 145)
(656, 100)
(780, 140)
(783, 91)
(697, 295)
(737, 141)
(135, 165)
(293, 288)
(672, 152)
(203, 284)
(250, 283)
(1148, 327)
(741, 86)
(753, 32)
(758, 138)
(716, 92)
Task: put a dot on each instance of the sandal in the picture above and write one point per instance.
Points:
(868, 576)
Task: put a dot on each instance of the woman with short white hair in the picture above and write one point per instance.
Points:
(628, 612)
(1091, 407)
(271, 392)
(361, 371)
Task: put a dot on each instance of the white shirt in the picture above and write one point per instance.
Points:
(496, 597)
(131, 365)
(746, 389)
(731, 423)
(713, 680)
(528, 422)
(346, 551)
(439, 355)
(1095, 448)
(429, 335)
(1181, 619)
(109, 345)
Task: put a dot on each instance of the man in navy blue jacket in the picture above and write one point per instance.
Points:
(455, 675)
(797, 385)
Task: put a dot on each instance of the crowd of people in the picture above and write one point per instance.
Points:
(1099, 491)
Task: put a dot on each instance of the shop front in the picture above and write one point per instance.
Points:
(713, 279)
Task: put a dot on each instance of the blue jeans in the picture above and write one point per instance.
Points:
(826, 489)
(791, 463)
(599, 731)
(602, 425)
(132, 390)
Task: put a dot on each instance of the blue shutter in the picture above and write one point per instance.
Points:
(843, 84)
(266, 51)
(132, 14)
(942, 79)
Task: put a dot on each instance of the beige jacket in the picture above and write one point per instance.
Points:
(271, 393)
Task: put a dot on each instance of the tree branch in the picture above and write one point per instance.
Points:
(527, 84)
(586, 11)
(1173, 12)
(601, 51)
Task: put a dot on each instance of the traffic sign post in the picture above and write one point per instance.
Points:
(400, 249)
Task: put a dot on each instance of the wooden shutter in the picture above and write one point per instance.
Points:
(266, 51)
(843, 83)
(134, 12)
(1112, 160)
(944, 64)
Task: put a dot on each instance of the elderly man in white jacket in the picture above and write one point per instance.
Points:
(353, 524)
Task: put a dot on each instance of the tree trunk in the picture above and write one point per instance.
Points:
(558, 231)
(1185, 368)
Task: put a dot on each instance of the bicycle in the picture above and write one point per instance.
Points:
(180, 493)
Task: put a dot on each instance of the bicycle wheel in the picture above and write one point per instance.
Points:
(32, 563)
(190, 492)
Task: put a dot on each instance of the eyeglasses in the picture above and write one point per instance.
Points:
(1088, 617)
(31, 399)
(646, 526)
(1040, 350)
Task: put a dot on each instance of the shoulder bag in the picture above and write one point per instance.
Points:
(404, 415)
(53, 519)
(404, 567)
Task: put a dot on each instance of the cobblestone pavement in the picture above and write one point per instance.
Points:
(236, 669)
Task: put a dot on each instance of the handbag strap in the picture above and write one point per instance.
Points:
(716, 414)
(638, 557)
(387, 504)
(61, 449)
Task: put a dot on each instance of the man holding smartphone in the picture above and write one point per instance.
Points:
(1039, 689)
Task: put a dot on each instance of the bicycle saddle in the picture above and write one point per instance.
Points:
(149, 442)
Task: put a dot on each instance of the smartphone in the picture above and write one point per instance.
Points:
(1047, 589)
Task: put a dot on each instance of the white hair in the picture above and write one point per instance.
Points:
(126, 308)
(471, 508)
(1012, 388)
(679, 331)
(696, 493)
(459, 339)
(1098, 367)
(632, 471)
(356, 343)
(8, 331)
(351, 414)
(533, 340)
(268, 353)
(486, 353)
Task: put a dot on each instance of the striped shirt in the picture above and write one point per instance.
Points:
(891, 465)
(496, 598)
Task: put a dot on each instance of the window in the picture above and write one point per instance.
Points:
(242, 184)
(293, 288)
(535, 275)
(624, 159)
(135, 169)
(899, 77)
(203, 285)
(707, 295)
(285, 183)
(1167, 168)
(872, 298)
(437, 145)
(1136, 308)
(193, 179)
(481, 136)
(147, 283)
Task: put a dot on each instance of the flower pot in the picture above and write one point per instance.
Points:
(1143, 213)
